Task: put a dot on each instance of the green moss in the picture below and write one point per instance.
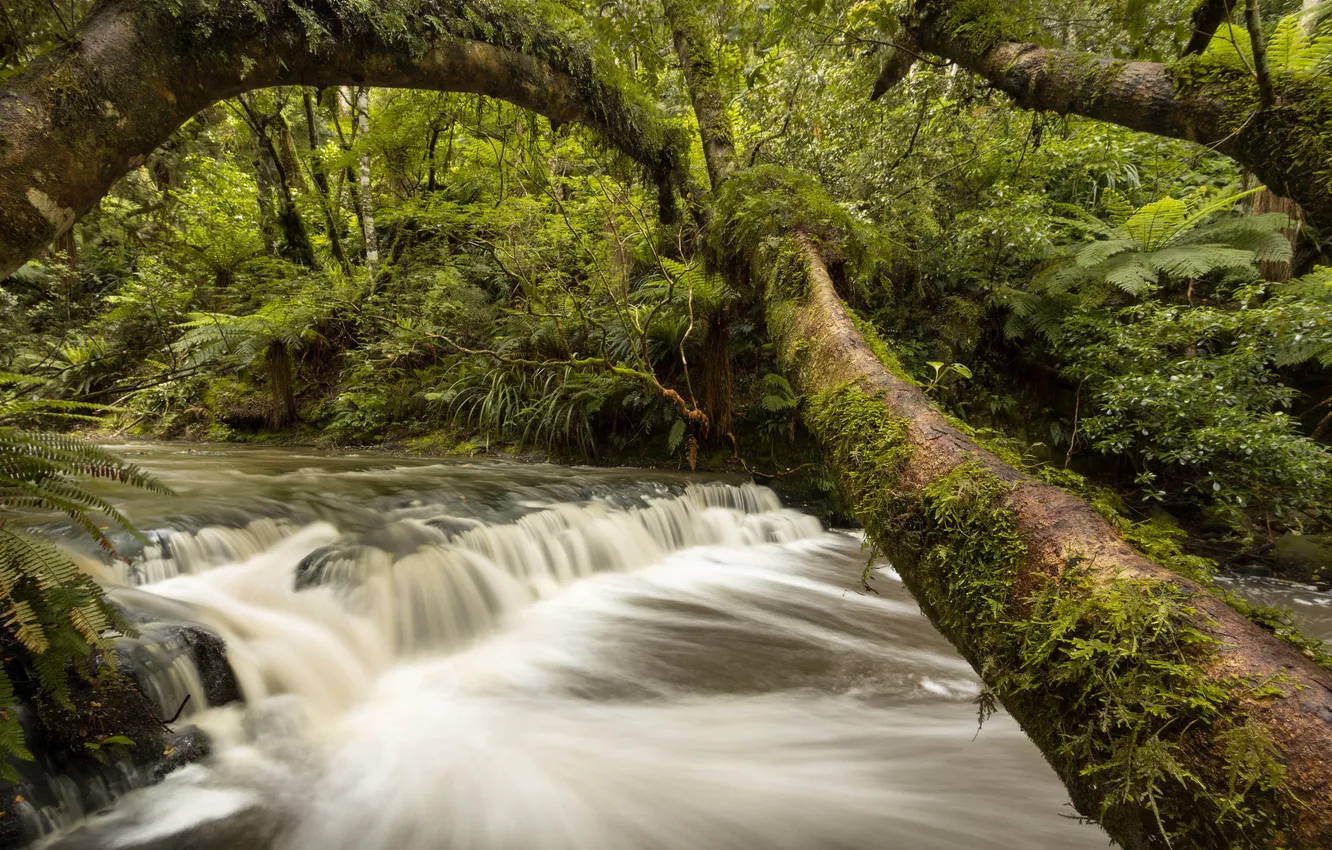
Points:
(882, 350)
(980, 25)
(953, 536)
(869, 448)
(1288, 145)
(1162, 737)
(769, 202)
(1109, 676)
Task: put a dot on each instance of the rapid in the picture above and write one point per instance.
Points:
(493, 656)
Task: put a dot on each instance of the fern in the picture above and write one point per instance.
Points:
(551, 407)
(227, 340)
(50, 612)
(1291, 48)
(778, 396)
(1139, 249)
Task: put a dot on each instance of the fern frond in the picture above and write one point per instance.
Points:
(1288, 44)
(1195, 261)
(1117, 206)
(1231, 46)
(1197, 216)
(1153, 224)
(1130, 273)
(1094, 253)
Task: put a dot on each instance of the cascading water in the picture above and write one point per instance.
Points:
(494, 657)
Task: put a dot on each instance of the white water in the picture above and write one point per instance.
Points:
(501, 658)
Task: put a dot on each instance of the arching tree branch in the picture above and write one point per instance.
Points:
(1287, 143)
(85, 114)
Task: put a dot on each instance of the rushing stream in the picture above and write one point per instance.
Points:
(495, 656)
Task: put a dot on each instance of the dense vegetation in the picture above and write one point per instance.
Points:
(452, 273)
(358, 266)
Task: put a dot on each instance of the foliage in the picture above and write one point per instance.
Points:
(1191, 394)
(1140, 250)
(1114, 303)
(54, 615)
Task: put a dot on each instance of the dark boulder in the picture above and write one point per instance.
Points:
(116, 734)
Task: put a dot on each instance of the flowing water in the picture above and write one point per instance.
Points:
(497, 656)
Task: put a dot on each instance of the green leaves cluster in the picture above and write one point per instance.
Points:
(54, 616)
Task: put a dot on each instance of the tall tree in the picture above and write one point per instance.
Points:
(361, 110)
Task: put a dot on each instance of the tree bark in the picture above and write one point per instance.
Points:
(320, 175)
(1287, 144)
(362, 113)
(695, 51)
(1253, 21)
(281, 386)
(85, 114)
(824, 354)
(1208, 16)
(274, 177)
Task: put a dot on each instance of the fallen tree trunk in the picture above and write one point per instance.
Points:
(1288, 144)
(1169, 715)
(85, 114)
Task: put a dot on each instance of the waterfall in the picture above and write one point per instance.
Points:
(500, 657)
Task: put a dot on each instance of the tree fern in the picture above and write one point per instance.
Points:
(52, 614)
(1139, 249)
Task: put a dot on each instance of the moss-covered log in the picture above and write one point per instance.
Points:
(85, 114)
(1201, 98)
(1171, 717)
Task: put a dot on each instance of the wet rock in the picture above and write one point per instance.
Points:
(185, 746)
(232, 826)
(116, 737)
(210, 658)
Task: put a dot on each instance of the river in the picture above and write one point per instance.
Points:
(501, 656)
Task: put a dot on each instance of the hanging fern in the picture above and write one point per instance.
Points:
(54, 615)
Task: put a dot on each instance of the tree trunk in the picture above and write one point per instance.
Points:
(718, 377)
(1267, 201)
(1208, 16)
(320, 175)
(83, 115)
(694, 48)
(362, 113)
(274, 180)
(1283, 136)
(282, 386)
(977, 541)
(1168, 715)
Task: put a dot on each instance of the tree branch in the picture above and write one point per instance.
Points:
(1254, 22)
(1208, 16)
(80, 117)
